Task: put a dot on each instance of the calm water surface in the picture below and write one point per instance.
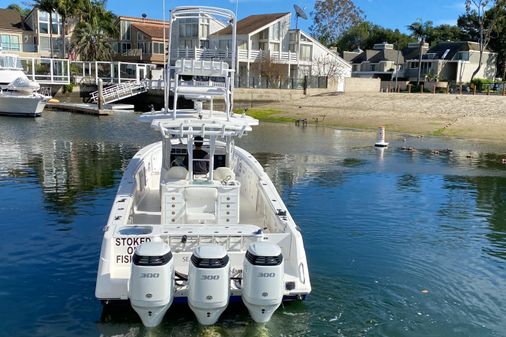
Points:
(400, 243)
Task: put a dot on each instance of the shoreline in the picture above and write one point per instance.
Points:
(480, 117)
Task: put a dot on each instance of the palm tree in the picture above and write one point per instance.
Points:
(68, 9)
(420, 30)
(92, 36)
(90, 42)
(48, 6)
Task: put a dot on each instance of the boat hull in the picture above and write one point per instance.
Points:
(22, 105)
(120, 240)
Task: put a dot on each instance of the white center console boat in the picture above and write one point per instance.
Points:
(18, 95)
(196, 219)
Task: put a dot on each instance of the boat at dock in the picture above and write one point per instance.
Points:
(196, 219)
(19, 96)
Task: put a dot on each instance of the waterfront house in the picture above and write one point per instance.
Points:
(380, 62)
(267, 41)
(141, 39)
(29, 36)
(452, 62)
(15, 35)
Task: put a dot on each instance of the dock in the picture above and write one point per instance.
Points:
(89, 108)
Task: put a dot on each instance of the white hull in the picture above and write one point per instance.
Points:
(14, 104)
(136, 218)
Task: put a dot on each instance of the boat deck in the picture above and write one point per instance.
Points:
(148, 211)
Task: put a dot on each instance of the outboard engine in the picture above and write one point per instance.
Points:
(208, 279)
(263, 280)
(151, 287)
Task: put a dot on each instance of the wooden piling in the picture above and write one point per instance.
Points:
(100, 94)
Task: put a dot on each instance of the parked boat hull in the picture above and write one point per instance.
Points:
(22, 105)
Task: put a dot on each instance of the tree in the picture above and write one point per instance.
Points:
(67, 10)
(17, 8)
(48, 6)
(420, 30)
(487, 22)
(90, 42)
(366, 34)
(443, 33)
(332, 18)
(93, 33)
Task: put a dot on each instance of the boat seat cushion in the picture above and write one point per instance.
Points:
(176, 173)
(222, 173)
(200, 204)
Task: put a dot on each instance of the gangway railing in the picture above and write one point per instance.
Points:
(119, 91)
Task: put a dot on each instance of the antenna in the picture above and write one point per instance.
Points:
(299, 12)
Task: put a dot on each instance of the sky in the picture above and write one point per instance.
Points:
(387, 13)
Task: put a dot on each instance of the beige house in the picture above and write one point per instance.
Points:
(141, 40)
(380, 62)
(15, 35)
(452, 61)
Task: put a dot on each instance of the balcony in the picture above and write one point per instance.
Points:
(243, 55)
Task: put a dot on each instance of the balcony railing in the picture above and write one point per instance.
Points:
(243, 55)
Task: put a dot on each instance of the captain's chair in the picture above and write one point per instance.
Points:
(200, 204)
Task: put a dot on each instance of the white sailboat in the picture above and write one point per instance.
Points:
(196, 219)
(18, 95)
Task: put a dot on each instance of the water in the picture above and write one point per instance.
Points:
(399, 243)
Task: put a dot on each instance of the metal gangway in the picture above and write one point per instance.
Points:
(116, 92)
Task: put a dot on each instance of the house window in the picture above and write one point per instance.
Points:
(224, 44)
(44, 43)
(262, 46)
(157, 48)
(141, 37)
(275, 31)
(125, 28)
(188, 28)
(56, 23)
(204, 44)
(10, 42)
(145, 47)
(185, 43)
(305, 52)
(463, 55)
(264, 34)
(125, 46)
(204, 28)
(275, 46)
(243, 45)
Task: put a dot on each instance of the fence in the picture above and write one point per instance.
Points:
(62, 71)
(262, 82)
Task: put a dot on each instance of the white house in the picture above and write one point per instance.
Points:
(267, 38)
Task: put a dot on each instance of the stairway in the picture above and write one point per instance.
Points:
(116, 92)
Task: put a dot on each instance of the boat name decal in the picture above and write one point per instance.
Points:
(125, 247)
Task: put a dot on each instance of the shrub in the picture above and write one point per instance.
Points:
(481, 83)
(68, 88)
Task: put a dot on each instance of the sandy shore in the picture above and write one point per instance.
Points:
(465, 116)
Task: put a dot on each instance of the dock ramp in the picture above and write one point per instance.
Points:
(116, 92)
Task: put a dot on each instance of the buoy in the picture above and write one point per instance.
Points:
(53, 100)
(380, 141)
(503, 161)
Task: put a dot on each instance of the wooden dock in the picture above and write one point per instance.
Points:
(89, 109)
